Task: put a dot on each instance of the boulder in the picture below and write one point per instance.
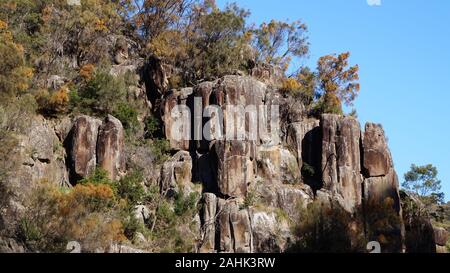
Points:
(341, 159)
(110, 147)
(291, 199)
(441, 249)
(269, 74)
(142, 213)
(83, 147)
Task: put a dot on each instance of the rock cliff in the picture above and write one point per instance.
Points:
(253, 190)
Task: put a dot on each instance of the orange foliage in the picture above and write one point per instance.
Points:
(87, 71)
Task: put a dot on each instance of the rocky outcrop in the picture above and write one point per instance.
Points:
(110, 147)
(381, 187)
(83, 147)
(440, 236)
(179, 140)
(271, 233)
(209, 214)
(92, 143)
(235, 169)
(377, 159)
(37, 156)
(341, 162)
(176, 174)
(234, 228)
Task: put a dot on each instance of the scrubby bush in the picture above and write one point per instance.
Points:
(53, 103)
(326, 228)
(88, 214)
(152, 126)
(160, 149)
(130, 188)
(127, 115)
(101, 94)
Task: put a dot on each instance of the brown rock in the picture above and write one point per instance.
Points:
(341, 159)
(178, 140)
(440, 236)
(441, 249)
(209, 211)
(176, 175)
(270, 233)
(83, 147)
(377, 159)
(268, 74)
(234, 228)
(234, 171)
(110, 147)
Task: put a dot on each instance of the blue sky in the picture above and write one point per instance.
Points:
(403, 50)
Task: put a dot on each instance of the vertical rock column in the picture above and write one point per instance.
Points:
(341, 163)
(381, 190)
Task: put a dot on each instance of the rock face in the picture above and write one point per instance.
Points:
(234, 228)
(377, 158)
(93, 143)
(176, 174)
(440, 236)
(209, 212)
(83, 154)
(173, 99)
(37, 156)
(253, 190)
(381, 186)
(341, 162)
(110, 147)
(270, 234)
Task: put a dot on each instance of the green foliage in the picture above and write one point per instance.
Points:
(15, 76)
(130, 188)
(218, 42)
(160, 149)
(152, 126)
(101, 95)
(308, 171)
(422, 180)
(99, 177)
(250, 199)
(186, 204)
(127, 115)
(87, 213)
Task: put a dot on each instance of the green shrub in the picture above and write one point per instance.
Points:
(130, 188)
(100, 95)
(152, 125)
(308, 171)
(160, 149)
(185, 204)
(99, 177)
(127, 115)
